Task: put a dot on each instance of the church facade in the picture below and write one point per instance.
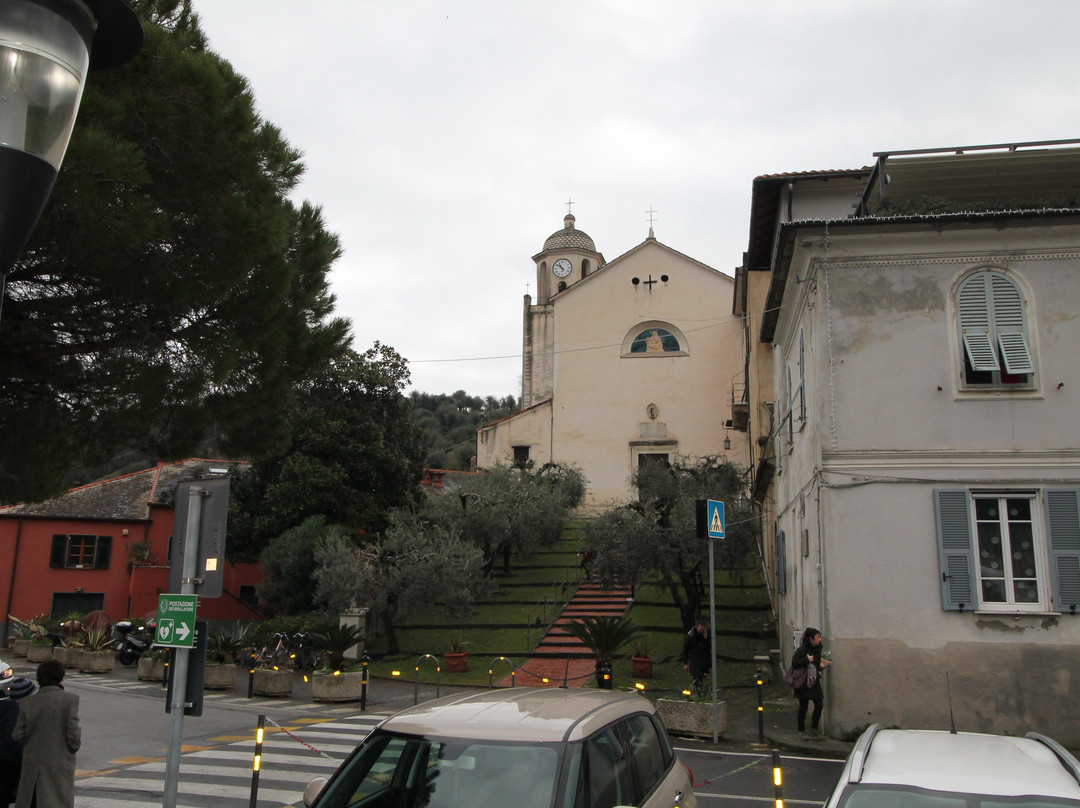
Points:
(624, 363)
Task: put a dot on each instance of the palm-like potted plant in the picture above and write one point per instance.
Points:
(23, 634)
(605, 636)
(97, 654)
(336, 682)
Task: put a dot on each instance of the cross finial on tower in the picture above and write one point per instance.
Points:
(569, 205)
(652, 218)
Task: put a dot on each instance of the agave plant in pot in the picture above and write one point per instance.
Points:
(97, 652)
(338, 681)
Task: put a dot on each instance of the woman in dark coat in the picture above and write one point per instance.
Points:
(809, 653)
(48, 728)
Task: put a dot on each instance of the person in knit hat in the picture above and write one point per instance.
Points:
(10, 752)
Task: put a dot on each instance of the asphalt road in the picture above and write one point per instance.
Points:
(126, 734)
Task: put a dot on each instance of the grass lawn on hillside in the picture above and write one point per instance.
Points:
(504, 625)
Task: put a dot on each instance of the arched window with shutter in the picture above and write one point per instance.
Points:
(992, 318)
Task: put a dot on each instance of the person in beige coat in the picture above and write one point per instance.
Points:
(48, 728)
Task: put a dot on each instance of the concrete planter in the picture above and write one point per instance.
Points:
(690, 717)
(219, 677)
(96, 662)
(276, 684)
(39, 652)
(20, 647)
(343, 687)
(66, 655)
(151, 670)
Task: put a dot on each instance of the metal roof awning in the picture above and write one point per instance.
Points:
(1045, 170)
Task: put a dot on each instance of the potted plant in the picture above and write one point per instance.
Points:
(604, 636)
(640, 661)
(223, 644)
(23, 634)
(152, 664)
(691, 715)
(40, 648)
(97, 654)
(337, 682)
(456, 659)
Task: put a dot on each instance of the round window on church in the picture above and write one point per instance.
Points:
(654, 341)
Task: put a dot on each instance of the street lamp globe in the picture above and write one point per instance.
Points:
(46, 49)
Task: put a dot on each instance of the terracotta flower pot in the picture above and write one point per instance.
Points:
(456, 661)
(641, 667)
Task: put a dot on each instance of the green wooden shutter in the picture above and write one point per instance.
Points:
(102, 551)
(955, 550)
(1063, 527)
(58, 556)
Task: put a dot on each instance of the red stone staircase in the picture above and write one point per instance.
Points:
(562, 659)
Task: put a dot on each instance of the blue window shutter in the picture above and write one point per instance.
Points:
(1010, 325)
(955, 549)
(973, 305)
(1063, 526)
(781, 563)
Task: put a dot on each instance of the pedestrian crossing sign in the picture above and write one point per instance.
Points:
(715, 518)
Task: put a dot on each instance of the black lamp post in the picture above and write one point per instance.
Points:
(46, 49)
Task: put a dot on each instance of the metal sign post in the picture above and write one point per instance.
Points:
(180, 665)
(710, 523)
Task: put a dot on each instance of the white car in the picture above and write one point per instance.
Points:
(896, 768)
(514, 748)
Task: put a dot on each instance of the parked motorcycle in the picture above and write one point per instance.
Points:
(132, 641)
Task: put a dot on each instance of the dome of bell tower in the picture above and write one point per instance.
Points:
(569, 238)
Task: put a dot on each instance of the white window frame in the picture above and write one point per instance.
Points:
(1055, 536)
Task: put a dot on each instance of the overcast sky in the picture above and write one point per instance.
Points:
(442, 138)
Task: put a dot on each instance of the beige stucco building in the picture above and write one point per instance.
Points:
(915, 390)
(624, 362)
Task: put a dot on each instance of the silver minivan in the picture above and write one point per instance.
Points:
(513, 748)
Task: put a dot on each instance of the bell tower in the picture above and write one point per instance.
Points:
(568, 257)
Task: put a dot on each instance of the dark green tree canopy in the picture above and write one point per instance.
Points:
(353, 455)
(449, 424)
(654, 539)
(171, 289)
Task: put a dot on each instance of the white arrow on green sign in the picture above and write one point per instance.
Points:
(176, 621)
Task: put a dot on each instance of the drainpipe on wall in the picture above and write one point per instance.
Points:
(11, 586)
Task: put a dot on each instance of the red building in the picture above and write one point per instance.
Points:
(106, 546)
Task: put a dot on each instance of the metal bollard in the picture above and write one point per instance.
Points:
(364, 660)
(778, 780)
(256, 764)
(760, 710)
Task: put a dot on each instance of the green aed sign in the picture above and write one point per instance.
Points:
(176, 621)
